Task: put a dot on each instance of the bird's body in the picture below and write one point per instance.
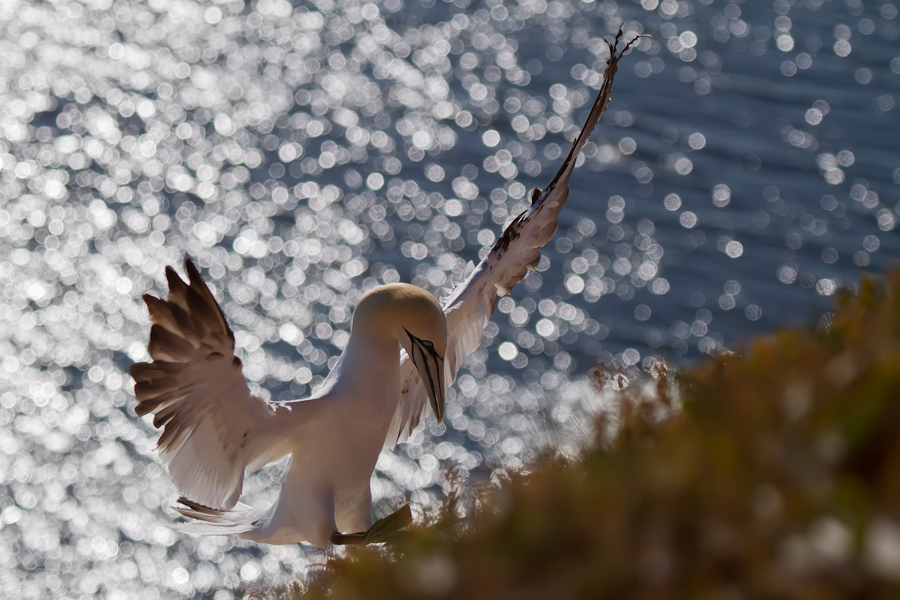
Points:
(214, 430)
(334, 438)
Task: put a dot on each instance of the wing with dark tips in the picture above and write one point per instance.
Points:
(196, 391)
(517, 251)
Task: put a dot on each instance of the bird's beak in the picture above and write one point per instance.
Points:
(431, 368)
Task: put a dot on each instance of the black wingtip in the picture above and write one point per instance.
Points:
(196, 506)
(173, 278)
(191, 268)
(196, 280)
(613, 45)
(191, 504)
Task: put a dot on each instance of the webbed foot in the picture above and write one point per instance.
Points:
(381, 531)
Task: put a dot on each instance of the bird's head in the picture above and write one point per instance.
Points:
(415, 319)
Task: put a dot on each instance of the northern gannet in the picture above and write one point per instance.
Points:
(405, 348)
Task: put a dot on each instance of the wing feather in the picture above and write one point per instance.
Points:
(168, 346)
(517, 251)
(171, 317)
(196, 391)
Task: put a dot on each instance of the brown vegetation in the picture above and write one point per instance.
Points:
(780, 477)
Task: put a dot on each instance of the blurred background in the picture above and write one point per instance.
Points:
(303, 153)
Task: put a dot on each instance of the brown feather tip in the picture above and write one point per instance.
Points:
(191, 268)
(149, 389)
(196, 281)
(154, 370)
(174, 279)
(196, 506)
(138, 371)
(177, 288)
(169, 346)
(212, 315)
(614, 44)
(147, 298)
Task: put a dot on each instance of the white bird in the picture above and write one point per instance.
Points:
(404, 350)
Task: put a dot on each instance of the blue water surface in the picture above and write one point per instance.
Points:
(304, 153)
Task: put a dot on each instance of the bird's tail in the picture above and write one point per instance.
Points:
(214, 521)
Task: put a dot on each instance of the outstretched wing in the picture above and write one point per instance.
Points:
(195, 388)
(517, 251)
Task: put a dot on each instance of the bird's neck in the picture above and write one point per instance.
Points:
(368, 363)
(372, 352)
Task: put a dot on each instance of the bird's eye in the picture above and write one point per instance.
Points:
(414, 339)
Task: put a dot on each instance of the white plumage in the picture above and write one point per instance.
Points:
(404, 350)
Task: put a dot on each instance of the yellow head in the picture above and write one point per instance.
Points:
(413, 317)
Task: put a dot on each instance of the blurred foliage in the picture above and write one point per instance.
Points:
(778, 477)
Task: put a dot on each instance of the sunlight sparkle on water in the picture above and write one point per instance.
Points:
(305, 155)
